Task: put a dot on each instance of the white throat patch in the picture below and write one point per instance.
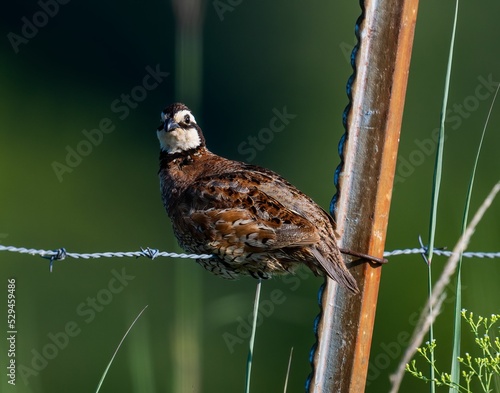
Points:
(179, 140)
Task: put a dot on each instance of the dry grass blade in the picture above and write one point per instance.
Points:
(288, 369)
(438, 294)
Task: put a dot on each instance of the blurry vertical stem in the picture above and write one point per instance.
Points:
(438, 168)
(188, 283)
(252, 337)
(455, 364)
(189, 52)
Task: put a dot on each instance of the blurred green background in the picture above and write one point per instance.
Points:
(257, 56)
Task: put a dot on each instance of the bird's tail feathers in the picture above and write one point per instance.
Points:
(335, 268)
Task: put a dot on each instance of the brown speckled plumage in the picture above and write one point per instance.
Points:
(251, 219)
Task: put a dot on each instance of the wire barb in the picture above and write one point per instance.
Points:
(424, 253)
(58, 255)
(151, 253)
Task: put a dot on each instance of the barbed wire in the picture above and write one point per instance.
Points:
(446, 253)
(61, 253)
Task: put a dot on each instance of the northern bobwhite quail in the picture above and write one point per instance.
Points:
(249, 218)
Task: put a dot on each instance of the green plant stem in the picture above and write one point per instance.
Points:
(438, 169)
(440, 148)
(432, 385)
(118, 348)
(252, 337)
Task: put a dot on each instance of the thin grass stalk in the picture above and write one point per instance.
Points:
(457, 333)
(457, 326)
(118, 348)
(432, 385)
(252, 337)
(288, 370)
(436, 184)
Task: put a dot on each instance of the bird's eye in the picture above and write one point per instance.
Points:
(187, 119)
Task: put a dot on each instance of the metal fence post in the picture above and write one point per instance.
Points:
(368, 150)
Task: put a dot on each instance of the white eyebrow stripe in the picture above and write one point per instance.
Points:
(179, 116)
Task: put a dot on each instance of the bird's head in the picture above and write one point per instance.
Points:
(179, 132)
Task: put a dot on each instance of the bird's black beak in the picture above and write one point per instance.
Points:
(169, 125)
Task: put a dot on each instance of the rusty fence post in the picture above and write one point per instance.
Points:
(365, 177)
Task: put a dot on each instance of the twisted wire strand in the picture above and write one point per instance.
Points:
(446, 253)
(62, 253)
(152, 253)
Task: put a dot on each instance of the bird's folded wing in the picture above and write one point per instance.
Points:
(225, 215)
